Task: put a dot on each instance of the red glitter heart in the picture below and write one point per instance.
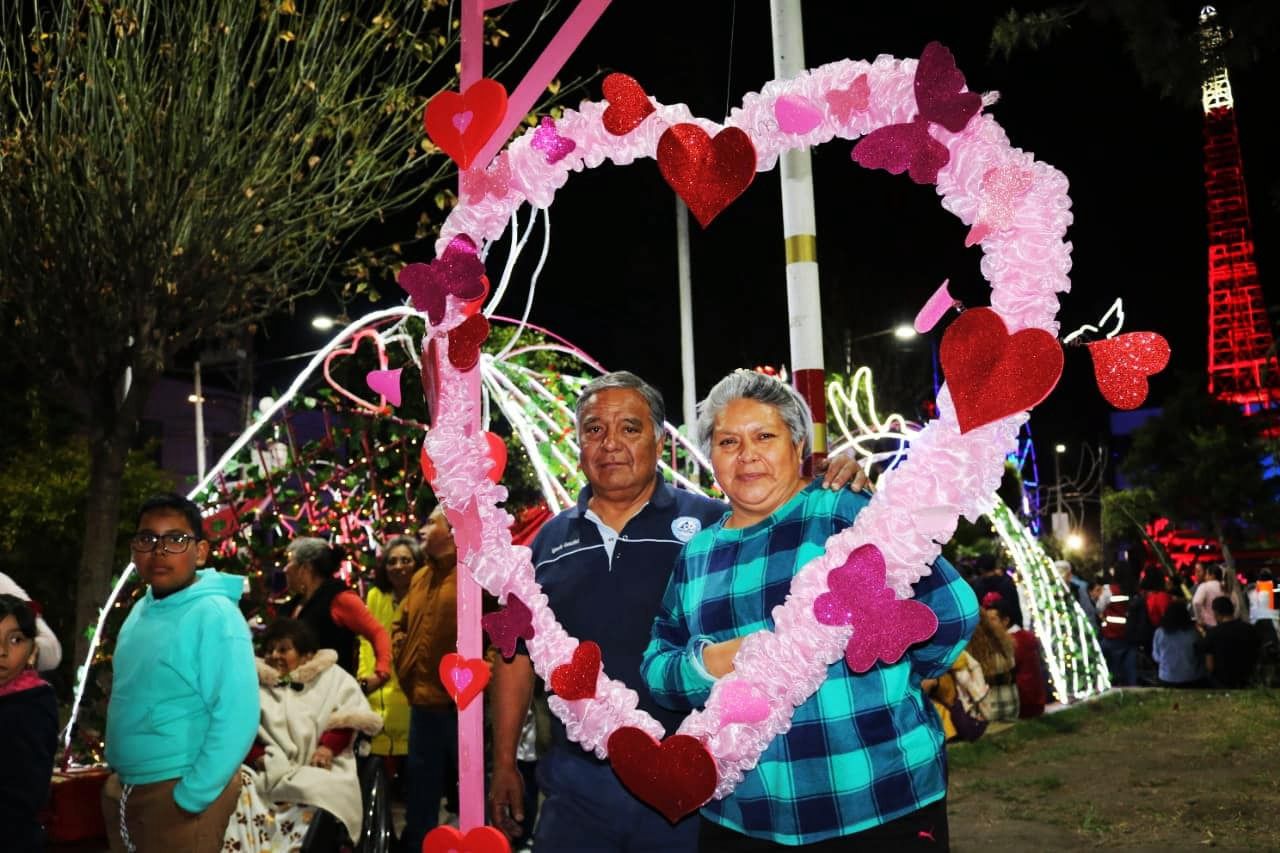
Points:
(463, 678)
(480, 839)
(1122, 365)
(992, 374)
(465, 340)
(629, 105)
(460, 124)
(577, 678)
(676, 776)
(707, 173)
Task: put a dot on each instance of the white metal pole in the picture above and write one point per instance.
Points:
(689, 388)
(199, 394)
(799, 229)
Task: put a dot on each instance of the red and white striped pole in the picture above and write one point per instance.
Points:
(799, 229)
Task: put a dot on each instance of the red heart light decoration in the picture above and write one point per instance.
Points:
(465, 340)
(461, 124)
(497, 455)
(363, 335)
(1123, 363)
(676, 776)
(707, 173)
(992, 374)
(628, 104)
(463, 678)
(480, 839)
(577, 678)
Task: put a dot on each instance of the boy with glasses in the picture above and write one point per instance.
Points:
(184, 697)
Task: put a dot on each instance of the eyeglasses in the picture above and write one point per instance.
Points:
(174, 543)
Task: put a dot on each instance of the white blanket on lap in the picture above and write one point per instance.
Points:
(291, 725)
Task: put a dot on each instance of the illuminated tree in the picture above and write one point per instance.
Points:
(173, 172)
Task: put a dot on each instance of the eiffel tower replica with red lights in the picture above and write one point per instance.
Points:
(1243, 368)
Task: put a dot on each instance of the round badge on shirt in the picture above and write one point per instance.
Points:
(685, 527)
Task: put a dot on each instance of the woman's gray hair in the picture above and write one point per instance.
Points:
(749, 385)
(628, 380)
(308, 550)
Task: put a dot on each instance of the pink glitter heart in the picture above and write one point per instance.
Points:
(461, 678)
(883, 625)
(461, 121)
(795, 114)
(938, 305)
(550, 142)
(741, 703)
(386, 383)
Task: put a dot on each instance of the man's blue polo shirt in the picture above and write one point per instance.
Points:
(612, 601)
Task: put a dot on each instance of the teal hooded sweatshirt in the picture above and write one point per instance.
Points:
(184, 696)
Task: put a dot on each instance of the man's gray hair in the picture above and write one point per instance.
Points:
(627, 380)
(312, 551)
(749, 385)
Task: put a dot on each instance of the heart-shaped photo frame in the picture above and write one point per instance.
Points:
(950, 472)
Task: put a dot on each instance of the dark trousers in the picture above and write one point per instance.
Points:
(587, 809)
(923, 829)
(433, 750)
(1122, 660)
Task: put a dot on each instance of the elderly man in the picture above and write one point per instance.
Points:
(604, 565)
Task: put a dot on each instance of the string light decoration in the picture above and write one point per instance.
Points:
(1072, 652)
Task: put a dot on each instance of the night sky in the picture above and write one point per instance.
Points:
(884, 243)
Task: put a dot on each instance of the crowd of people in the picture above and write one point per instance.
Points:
(220, 738)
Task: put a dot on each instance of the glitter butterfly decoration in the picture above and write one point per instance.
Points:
(940, 99)
(883, 625)
(458, 272)
(843, 103)
(1002, 188)
(494, 181)
(548, 140)
(465, 340)
(513, 622)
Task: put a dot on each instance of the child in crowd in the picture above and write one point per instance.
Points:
(184, 699)
(1230, 648)
(1174, 648)
(28, 728)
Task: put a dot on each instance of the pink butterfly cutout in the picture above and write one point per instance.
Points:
(883, 625)
(515, 621)
(1002, 187)
(909, 147)
(458, 271)
(494, 181)
(465, 524)
(547, 140)
(843, 103)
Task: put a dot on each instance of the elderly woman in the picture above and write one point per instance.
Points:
(862, 766)
(333, 610)
(303, 758)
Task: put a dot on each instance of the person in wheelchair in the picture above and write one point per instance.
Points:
(303, 764)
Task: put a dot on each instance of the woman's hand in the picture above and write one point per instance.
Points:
(717, 658)
(374, 683)
(842, 469)
(323, 758)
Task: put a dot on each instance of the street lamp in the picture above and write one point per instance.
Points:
(323, 323)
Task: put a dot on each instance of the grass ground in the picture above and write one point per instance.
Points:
(1138, 769)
